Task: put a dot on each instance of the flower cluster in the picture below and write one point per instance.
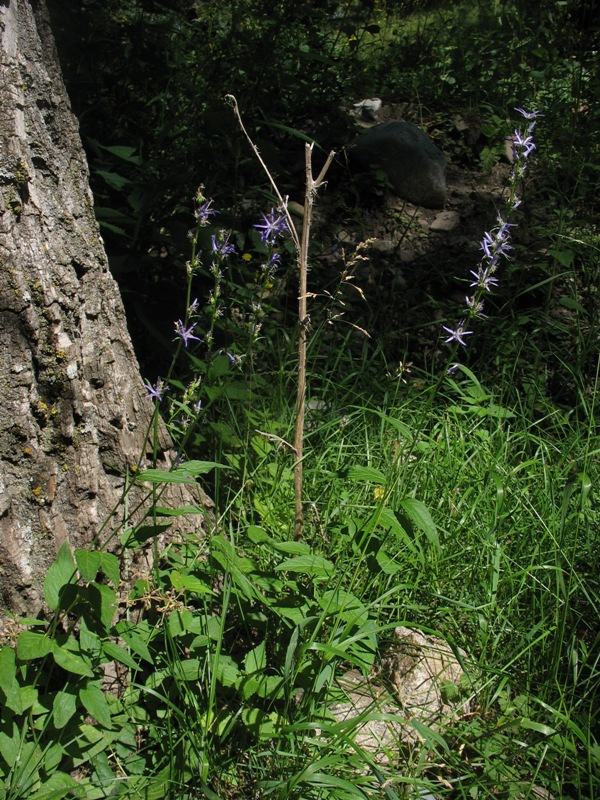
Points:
(495, 244)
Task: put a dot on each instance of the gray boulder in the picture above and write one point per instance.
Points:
(414, 166)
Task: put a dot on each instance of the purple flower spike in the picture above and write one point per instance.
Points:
(186, 333)
(457, 335)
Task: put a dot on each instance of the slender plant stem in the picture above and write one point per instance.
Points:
(304, 322)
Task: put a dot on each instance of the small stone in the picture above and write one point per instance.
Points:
(382, 245)
(446, 221)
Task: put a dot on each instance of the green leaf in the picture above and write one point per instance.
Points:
(227, 670)
(389, 521)
(367, 475)
(175, 512)
(564, 257)
(63, 708)
(61, 573)
(184, 473)
(109, 564)
(124, 152)
(10, 746)
(113, 179)
(70, 661)
(386, 563)
(118, 653)
(256, 659)
(135, 640)
(430, 737)
(538, 727)
(57, 786)
(190, 583)
(133, 537)
(31, 645)
(163, 476)
(315, 566)
(419, 515)
(199, 467)
(8, 680)
(88, 563)
(95, 703)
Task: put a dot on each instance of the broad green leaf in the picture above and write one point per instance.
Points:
(10, 745)
(190, 669)
(135, 640)
(163, 476)
(118, 653)
(256, 659)
(61, 573)
(141, 534)
(104, 772)
(295, 609)
(314, 565)
(189, 583)
(227, 670)
(8, 680)
(199, 467)
(32, 645)
(110, 567)
(366, 475)
(113, 179)
(175, 512)
(389, 521)
(343, 603)
(184, 473)
(95, 703)
(63, 708)
(70, 661)
(419, 515)
(88, 563)
(104, 601)
(386, 563)
(538, 727)
(53, 756)
(122, 151)
(57, 786)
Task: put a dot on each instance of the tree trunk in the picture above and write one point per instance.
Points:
(73, 413)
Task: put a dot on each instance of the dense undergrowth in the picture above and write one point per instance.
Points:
(460, 503)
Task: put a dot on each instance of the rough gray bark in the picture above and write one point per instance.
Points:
(73, 412)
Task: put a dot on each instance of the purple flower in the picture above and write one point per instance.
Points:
(457, 335)
(272, 227)
(204, 213)
(475, 306)
(485, 279)
(156, 392)
(495, 245)
(231, 357)
(529, 114)
(222, 246)
(193, 307)
(186, 333)
(522, 145)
